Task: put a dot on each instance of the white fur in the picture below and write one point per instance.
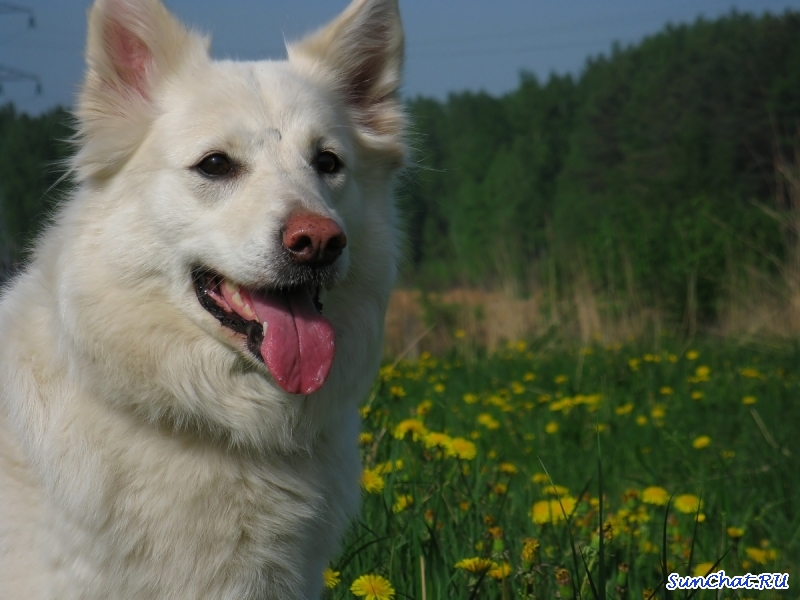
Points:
(143, 452)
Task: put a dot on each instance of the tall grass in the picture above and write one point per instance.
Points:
(481, 473)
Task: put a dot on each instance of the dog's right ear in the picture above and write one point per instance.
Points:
(133, 47)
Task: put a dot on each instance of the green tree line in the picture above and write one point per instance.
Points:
(657, 167)
(652, 168)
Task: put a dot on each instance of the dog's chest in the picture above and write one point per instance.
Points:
(173, 520)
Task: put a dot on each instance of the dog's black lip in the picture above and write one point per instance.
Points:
(204, 278)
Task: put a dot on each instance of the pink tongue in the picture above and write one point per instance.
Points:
(299, 345)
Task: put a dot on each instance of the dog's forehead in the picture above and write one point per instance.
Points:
(264, 96)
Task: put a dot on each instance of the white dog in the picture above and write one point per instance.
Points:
(182, 361)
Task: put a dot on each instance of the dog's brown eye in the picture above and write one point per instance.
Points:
(327, 163)
(215, 165)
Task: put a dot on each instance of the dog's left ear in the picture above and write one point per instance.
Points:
(363, 50)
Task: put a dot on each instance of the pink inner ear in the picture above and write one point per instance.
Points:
(130, 56)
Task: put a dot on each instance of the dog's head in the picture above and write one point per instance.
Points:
(252, 197)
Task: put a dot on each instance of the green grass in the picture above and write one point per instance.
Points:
(667, 423)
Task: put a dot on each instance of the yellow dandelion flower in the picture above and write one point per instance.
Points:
(551, 427)
(600, 427)
(735, 532)
(655, 495)
(500, 571)
(475, 564)
(462, 449)
(634, 363)
(761, 555)
(424, 408)
(749, 400)
(666, 391)
(543, 398)
(372, 587)
(672, 358)
(331, 578)
(728, 454)
(434, 439)
(460, 334)
(649, 357)
(750, 373)
(499, 489)
(624, 409)
(702, 569)
(540, 478)
(641, 420)
(555, 490)
(413, 426)
(397, 391)
(386, 373)
(488, 421)
(364, 411)
(687, 503)
(439, 388)
(692, 355)
(470, 398)
(492, 454)
(530, 550)
(372, 481)
(365, 437)
(550, 511)
(464, 505)
(508, 468)
(521, 346)
(384, 468)
(517, 388)
(402, 502)
(564, 404)
(697, 395)
(561, 379)
(701, 442)
(528, 377)
(658, 412)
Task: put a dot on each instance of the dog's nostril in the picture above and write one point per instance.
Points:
(336, 244)
(300, 243)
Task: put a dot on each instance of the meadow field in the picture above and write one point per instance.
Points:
(488, 476)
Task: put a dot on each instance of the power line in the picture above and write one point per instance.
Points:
(10, 74)
(8, 9)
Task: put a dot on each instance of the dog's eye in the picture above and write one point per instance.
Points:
(215, 165)
(327, 163)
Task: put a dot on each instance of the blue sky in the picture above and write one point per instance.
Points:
(452, 45)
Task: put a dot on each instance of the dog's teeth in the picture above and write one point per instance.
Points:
(231, 287)
(264, 328)
(237, 300)
(247, 310)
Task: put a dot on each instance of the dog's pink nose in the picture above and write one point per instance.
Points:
(313, 240)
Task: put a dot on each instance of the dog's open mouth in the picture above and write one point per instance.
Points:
(285, 329)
